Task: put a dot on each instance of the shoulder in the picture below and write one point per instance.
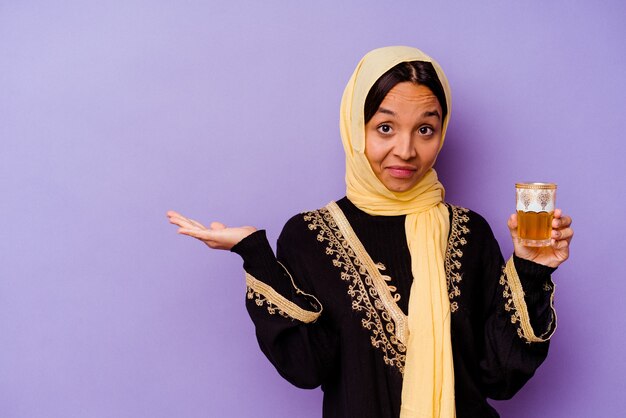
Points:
(303, 225)
(473, 222)
(472, 238)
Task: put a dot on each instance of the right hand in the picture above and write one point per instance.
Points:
(218, 236)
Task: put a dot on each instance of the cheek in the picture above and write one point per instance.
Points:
(433, 150)
(370, 150)
(375, 153)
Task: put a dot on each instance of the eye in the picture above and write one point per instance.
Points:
(426, 130)
(384, 129)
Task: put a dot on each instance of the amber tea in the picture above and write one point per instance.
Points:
(535, 210)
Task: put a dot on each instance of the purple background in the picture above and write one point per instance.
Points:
(113, 112)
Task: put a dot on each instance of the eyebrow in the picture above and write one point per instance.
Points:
(431, 113)
(425, 114)
(387, 111)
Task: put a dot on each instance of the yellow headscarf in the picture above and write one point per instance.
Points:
(428, 385)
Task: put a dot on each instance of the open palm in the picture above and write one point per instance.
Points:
(217, 236)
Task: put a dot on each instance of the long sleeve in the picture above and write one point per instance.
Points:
(519, 320)
(291, 327)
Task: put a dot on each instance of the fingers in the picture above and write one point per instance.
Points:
(561, 221)
(171, 214)
(562, 234)
(182, 221)
(561, 249)
(174, 215)
(196, 223)
(560, 244)
(218, 236)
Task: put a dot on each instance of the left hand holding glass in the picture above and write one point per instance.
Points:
(557, 252)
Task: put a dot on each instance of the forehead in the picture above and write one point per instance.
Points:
(410, 94)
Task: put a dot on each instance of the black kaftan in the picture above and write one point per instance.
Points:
(324, 316)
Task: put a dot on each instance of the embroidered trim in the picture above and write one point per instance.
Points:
(262, 293)
(365, 283)
(373, 270)
(514, 296)
(454, 253)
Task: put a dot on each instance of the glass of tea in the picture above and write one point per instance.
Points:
(535, 210)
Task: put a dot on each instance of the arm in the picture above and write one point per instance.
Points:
(291, 331)
(519, 321)
(519, 316)
(291, 328)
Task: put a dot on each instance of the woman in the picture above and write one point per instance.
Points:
(395, 302)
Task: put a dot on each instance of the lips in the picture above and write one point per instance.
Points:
(401, 172)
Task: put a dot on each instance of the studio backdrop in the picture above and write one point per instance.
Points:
(112, 113)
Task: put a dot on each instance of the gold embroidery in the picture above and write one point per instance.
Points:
(367, 287)
(454, 253)
(373, 270)
(262, 293)
(514, 302)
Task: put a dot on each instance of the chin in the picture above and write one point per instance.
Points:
(399, 188)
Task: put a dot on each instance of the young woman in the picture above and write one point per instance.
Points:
(395, 302)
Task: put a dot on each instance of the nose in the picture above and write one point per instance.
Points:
(404, 147)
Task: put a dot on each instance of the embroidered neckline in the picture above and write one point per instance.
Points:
(361, 289)
(384, 291)
(368, 288)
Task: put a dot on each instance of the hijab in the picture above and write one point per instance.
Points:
(428, 382)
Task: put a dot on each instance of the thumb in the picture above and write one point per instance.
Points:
(512, 224)
(217, 225)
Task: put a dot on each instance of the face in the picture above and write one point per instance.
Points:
(402, 139)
